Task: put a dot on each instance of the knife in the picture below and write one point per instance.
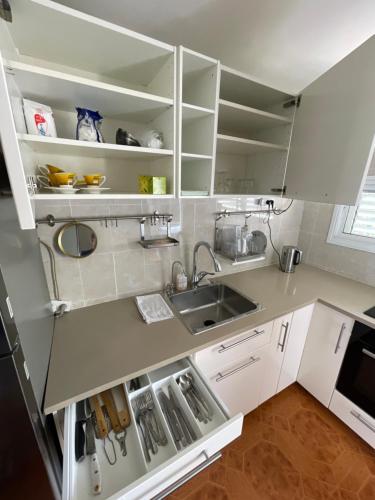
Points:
(96, 480)
(79, 441)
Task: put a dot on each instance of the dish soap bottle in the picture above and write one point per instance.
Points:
(181, 281)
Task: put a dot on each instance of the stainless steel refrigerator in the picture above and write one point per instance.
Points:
(30, 458)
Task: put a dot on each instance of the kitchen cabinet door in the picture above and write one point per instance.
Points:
(325, 346)
(237, 384)
(333, 137)
(12, 155)
(295, 343)
(274, 356)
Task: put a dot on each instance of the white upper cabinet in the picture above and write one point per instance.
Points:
(333, 136)
(82, 61)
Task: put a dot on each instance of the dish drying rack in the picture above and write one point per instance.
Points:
(155, 219)
(238, 259)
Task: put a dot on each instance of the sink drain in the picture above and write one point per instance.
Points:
(209, 322)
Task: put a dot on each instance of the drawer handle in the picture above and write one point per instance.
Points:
(286, 328)
(343, 328)
(368, 353)
(224, 348)
(208, 461)
(221, 377)
(363, 421)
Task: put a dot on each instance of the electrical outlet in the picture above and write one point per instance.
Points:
(56, 304)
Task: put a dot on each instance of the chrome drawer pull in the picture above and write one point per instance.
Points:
(224, 348)
(363, 421)
(343, 328)
(368, 353)
(282, 344)
(239, 368)
(189, 475)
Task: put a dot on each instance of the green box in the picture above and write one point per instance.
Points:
(147, 184)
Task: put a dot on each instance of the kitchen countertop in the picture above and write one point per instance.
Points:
(98, 347)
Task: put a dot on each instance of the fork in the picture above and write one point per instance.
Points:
(159, 433)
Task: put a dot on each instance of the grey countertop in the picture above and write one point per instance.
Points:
(98, 347)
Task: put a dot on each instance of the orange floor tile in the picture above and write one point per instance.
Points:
(291, 448)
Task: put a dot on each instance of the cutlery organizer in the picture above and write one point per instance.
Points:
(132, 477)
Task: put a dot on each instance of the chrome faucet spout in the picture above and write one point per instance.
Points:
(197, 277)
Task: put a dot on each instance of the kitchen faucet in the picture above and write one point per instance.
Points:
(197, 277)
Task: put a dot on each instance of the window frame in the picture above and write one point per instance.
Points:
(336, 234)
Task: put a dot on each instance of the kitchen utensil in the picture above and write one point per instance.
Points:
(156, 426)
(96, 481)
(99, 415)
(108, 439)
(81, 416)
(258, 242)
(120, 432)
(134, 384)
(194, 398)
(145, 437)
(199, 394)
(186, 426)
(145, 421)
(171, 418)
(124, 415)
(126, 138)
(290, 257)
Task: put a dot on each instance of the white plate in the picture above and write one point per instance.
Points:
(93, 189)
(62, 190)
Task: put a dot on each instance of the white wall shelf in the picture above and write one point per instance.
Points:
(106, 196)
(64, 91)
(191, 112)
(71, 147)
(241, 88)
(235, 117)
(192, 157)
(86, 43)
(238, 146)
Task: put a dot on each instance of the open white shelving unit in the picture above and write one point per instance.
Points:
(197, 122)
(129, 78)
(254, 130)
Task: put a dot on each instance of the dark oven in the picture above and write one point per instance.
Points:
(357, 376)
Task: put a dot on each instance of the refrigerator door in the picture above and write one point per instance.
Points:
(8, 330)
(22, 271)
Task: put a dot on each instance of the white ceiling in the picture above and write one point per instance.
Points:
(287, 43)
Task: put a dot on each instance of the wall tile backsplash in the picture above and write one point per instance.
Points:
(345, 261)
(121, 267)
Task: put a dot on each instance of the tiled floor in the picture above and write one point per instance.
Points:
(291, 448)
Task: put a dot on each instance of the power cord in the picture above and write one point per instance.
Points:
(270, 204)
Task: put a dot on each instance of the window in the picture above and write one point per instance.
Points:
(354, 227)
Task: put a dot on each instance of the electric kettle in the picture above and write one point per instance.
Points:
(290, 257)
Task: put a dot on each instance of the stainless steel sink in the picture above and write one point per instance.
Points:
(210, 306)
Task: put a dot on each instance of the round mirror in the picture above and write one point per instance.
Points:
(76, 240)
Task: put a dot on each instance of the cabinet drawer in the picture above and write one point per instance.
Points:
(238, 384)
(132, 477)
(233, 349)
(359, 421)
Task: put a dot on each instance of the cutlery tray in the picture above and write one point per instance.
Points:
(132, 477)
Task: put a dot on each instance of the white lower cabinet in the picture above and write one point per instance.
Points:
(237, 384)
(324, 351)
(359, 421)
(131, 477)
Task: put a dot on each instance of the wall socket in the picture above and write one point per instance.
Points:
(56, 304)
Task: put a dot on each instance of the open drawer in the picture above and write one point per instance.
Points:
(132, 477)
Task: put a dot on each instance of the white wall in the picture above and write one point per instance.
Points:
(351, 263)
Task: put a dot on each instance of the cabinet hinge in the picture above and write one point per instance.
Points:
(296, 101)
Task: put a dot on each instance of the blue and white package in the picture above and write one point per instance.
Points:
(88, 126)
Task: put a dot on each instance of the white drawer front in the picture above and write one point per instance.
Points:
(233, 349)
(132, 477)
(238, 384)
(354, 417)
